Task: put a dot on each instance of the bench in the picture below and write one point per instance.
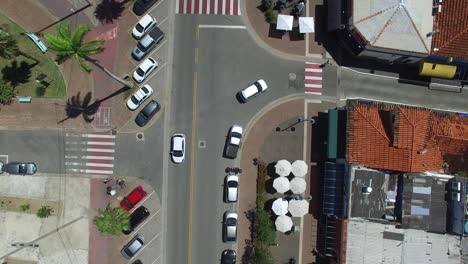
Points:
(24, 99)
(37, 41)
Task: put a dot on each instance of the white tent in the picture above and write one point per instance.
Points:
(281, 184)
(284, 22)
(283, 223)
(280, 206)
(298, 185)
(298, 208)
(283, 168)
(306, 25)
(299, 168)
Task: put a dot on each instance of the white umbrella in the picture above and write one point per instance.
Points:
(283, 168)
(280, 206)
(284, 22)
(281, 184)
(306, 25)
(298, 208)
(283, 223)
(298, 185)
(299, 168)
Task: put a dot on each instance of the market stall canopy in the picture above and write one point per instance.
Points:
(298, 185)
(283, 168)
(280, 206)
(283, 223)
(306, 25)
(284, 22)
(299, 168)
(281, 184)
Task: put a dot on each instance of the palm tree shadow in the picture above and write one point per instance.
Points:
(77, 106)
(16, 74)
(109, 10)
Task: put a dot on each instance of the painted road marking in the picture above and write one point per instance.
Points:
(208, 7)
(313, 78)
(103, 143)
(98, 157)
(223, 26)
(100, 150)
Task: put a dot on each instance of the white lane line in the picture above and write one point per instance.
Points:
(310, 85)
(144, 223)
(91, 164)
(98, 157)
(100, 143)
(313, 78)
(68, 163)
(223, 26)
(313, 70)
(143, 200)
(238, 8)
(156, 259)
(98, 136)
(98, 171)
(223, 10)
(231, 7)
(145, 245)
(192, 7)
(185, 6)
(100, 150)
(216, 8)
(154, 73)
(177, 6)
(208, 3)
(200, 7)
(71, 157)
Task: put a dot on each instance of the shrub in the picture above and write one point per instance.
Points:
(262, 254)
(270, 15)
(7, 93)
(264, 229)
(44, 212)
(24, 207)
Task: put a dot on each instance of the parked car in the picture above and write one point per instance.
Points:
(132, 247)
(139, 97)
(178, 148)
(136, 218)
(228, 257)
(233, 142)
(146, 23)
(253, 90)
(147, 113)
(231, 188)
(230, 227)
(147, 43)
(141, 6)
(137, 262)
(20, 168)
(145, 69)
(133, 198)
(1, 167)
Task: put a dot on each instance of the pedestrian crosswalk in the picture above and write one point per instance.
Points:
(208, 7)
(313, 78)
(89, 153)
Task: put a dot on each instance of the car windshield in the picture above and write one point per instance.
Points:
(139, 27)
(232, 184)
(259, 87)
(231, 222)
(134, 100)
(22, 169)
(235, 134)
(141, 47)
(145, 90)
(140, 72)
(177, 153)
(128, 203)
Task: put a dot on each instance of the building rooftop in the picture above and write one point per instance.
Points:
(395, 24)
(424, 204)
(405, 139)
(452, 30)
(373, 204)
(370, 242)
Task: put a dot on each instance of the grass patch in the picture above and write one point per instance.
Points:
(30, 206)
(21, 72)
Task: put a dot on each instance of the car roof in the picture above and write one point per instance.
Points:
(150, 108)
(249, 91)
(145, 20)
(146, 64)
(146, 41)
(236, 128)
(135, 246)
(178, 140)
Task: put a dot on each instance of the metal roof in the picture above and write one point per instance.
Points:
(395, 24)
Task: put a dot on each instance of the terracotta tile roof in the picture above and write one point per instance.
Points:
(401, 138)
(452, 26)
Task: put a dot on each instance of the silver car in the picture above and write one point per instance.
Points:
(20, 168)
(230, 227)
(132, 247)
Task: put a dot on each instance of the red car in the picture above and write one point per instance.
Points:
(133, 198)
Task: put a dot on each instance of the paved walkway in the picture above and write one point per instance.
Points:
(256, 145)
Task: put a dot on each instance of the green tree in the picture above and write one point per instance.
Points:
(112, 220)
(68, 44)
(7, 93)
(44, 212)
(8, 45)
(264, 228)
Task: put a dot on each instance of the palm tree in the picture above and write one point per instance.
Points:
(112, 220)
(69, 44)
(8, 45)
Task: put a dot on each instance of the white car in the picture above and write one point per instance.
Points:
(178, 148)
(139, 97)
(143, 26)
(253, 90)
(230, 227)
(144, 69)
(231, 188)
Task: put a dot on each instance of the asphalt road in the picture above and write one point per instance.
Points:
(228, 61)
